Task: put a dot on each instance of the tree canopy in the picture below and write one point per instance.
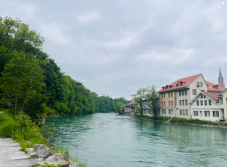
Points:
(32, 82)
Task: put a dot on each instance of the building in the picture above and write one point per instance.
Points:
(175, 98)
(222, 97)
(128, 107)
(205, 106)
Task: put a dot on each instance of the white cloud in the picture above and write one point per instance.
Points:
(173, 56)
(127, 39)
(84, 19)
(28, 9)
(54, 33)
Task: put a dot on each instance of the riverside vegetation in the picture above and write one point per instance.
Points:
(33, 87)
(196, 122)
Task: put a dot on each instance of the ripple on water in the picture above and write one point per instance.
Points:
(113, 140)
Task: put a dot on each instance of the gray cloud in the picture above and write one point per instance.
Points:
(116, 47)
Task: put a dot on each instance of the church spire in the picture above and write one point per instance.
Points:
(221, 79)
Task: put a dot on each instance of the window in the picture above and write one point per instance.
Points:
(221, 101)
(180, 103)
(215, 113)
(168, 94)
(197, 102)
(194, 92)
(210, 102)
(162, 111)
(169, 111)
(171, 94)
(201, 102)
(200, 84)
(207, 113)
(171, 103)
(195, 113)
(164, 95)
(183, 112)
(201, 113)
(165, 111)
(186, 102)
(197, 84)
(201, 96)
(180, 93)
(180, 112)
(205, 102)
(226, 100)
(185, 92)
(164, 103)
(186, 111)
(204, 96)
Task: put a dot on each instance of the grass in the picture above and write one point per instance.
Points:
(21, 129)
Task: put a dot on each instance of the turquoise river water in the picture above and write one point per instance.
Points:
(112, 140)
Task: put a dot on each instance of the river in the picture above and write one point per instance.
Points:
(112, 140)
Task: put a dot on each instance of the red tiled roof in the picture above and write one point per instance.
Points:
(212, 88)
(187, 81)
(212, 95)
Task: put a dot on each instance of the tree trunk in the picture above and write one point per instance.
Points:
(24, 103)
(15, 106)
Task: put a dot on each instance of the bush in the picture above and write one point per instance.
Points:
(193, 121)
(21, 129)
(7, 125)
(163, 119)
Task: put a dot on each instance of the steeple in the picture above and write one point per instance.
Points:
(221, 79)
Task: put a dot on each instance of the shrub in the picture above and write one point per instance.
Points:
(162, 119)
(193, 121)
(7, 125)
(21, 129)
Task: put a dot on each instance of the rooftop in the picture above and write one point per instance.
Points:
(212, 95)
(214, 87)
(180, 83)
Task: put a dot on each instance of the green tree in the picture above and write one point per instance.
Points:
(138, 98)
(119, 107)
(152, 100)
(21, 80)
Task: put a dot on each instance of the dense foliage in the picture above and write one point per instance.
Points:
(106, 104)
(32, 83)
(119, 107)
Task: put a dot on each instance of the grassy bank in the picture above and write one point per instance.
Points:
(183, 121)
(22, 129)
(146, 117)
(197, 122)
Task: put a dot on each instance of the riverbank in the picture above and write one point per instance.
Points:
(190, 122)
(28, 135)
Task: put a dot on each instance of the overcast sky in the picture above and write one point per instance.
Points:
(116, 47)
